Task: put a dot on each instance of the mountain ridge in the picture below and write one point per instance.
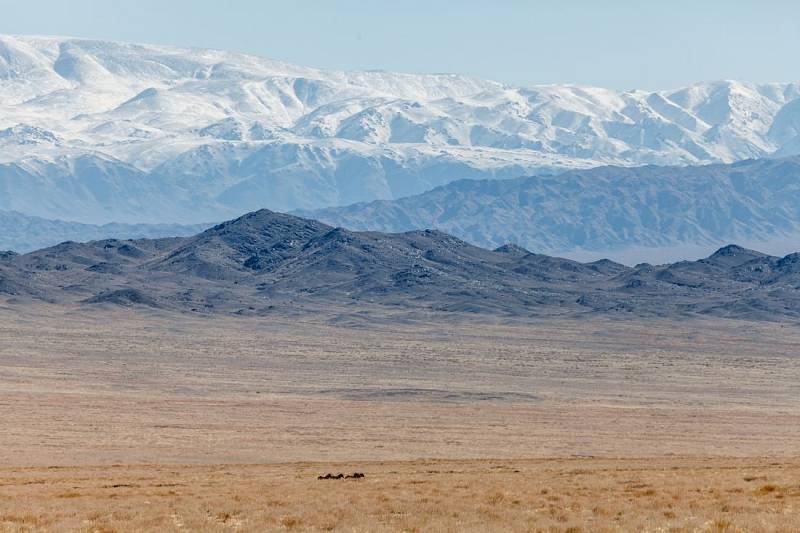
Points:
(265, 263)
(23, 233)
(601, 209)
(98, 131)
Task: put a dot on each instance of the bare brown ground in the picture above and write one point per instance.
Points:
(112, 397)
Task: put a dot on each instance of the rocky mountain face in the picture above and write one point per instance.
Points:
(100, 132)
(264, 263)
(604, 208)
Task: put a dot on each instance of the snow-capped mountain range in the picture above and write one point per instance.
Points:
(99, 132)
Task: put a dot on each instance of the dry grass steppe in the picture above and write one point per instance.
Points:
(114, 420)
(565, 495)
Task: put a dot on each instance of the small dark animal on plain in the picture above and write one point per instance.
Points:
(356, 475)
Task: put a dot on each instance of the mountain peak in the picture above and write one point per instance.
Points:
(512, 249)
(262, 218)
(734, 250)
(26, 134)
(732, 255)
(789, 263)
(729, 250)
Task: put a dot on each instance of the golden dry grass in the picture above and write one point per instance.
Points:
(568, 495)
(257, 408)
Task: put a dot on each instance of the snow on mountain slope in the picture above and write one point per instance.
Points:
(99, 131)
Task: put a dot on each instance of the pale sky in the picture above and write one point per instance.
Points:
(621, 44)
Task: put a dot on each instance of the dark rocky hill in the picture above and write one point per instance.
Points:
(267, 262)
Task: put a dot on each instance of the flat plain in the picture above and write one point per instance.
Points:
(115, 419)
